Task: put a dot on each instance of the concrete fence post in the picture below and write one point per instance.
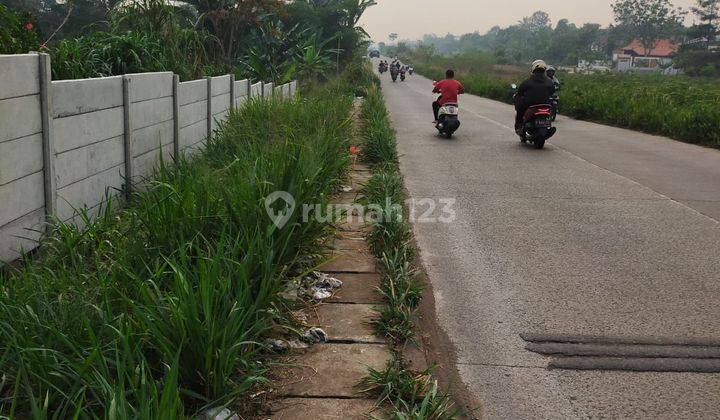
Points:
(209, 106)
(232, 91)
(176, 116)
(48, 139)
(128, 134)
(249, 88)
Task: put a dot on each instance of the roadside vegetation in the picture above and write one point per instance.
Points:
(270, 40)
(411, 395)
(156, 310)
(684, 108)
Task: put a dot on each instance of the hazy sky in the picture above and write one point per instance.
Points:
(411, 19)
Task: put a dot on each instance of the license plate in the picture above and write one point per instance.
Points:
(450, 110)
(542, 123)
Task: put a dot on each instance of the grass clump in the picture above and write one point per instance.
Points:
(378, 140)
(411, 395)
(156, 310)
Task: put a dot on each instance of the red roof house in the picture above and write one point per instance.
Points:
(663, 48)
(634, 55)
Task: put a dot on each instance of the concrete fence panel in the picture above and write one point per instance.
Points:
(89, 156)
(67, 145)
(268, 90)
(193, 115)
(151, 116)
(256, 90)
(221, 99)
(242, 92)
(22, 193)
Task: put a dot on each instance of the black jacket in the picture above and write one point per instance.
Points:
(536, 90)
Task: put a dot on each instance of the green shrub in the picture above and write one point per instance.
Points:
(18, 32)
(106, 54)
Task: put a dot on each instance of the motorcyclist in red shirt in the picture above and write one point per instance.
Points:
(449, 89)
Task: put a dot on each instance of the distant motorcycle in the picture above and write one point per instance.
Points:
(394, 73)
(402, 75)
(537, 124)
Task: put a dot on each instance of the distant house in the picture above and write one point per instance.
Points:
(634, 57)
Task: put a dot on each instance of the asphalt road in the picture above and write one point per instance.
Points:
(607, 233)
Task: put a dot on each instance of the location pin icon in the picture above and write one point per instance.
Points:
(282, 216)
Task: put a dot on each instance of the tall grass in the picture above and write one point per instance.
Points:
(683, 108)
(378, 140)
(155, 311)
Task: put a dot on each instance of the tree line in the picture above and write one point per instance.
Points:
(646, 21)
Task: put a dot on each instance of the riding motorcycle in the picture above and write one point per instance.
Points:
(537, 124)
(402, 75)
(448, 119)
(394, 74)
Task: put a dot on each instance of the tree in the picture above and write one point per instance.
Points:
(708, 12)
(536, 22)
(648, 20)
(393, 37)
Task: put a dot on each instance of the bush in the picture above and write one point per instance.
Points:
(700, 62)
(18, 32)
(106, 54)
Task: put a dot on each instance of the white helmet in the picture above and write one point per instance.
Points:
(538, 65)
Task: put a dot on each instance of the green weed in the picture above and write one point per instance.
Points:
(156, 310)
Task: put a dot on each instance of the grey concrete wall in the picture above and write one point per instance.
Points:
(193, 115)
(22, 205)
(152, 121)
(68, 145)
(268, 90)
(89, 152)
(256, 90)
(220, 99)
(242, 91)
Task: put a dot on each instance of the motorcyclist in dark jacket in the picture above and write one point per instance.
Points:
(536, 90)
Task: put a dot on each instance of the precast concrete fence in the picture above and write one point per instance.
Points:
(71, 144)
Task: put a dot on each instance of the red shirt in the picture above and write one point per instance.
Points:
(449, 89)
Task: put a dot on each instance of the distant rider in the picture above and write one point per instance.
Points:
(551, 74)
(536, 90)
(449, 89)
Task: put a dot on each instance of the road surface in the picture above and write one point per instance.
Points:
(607, 237)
